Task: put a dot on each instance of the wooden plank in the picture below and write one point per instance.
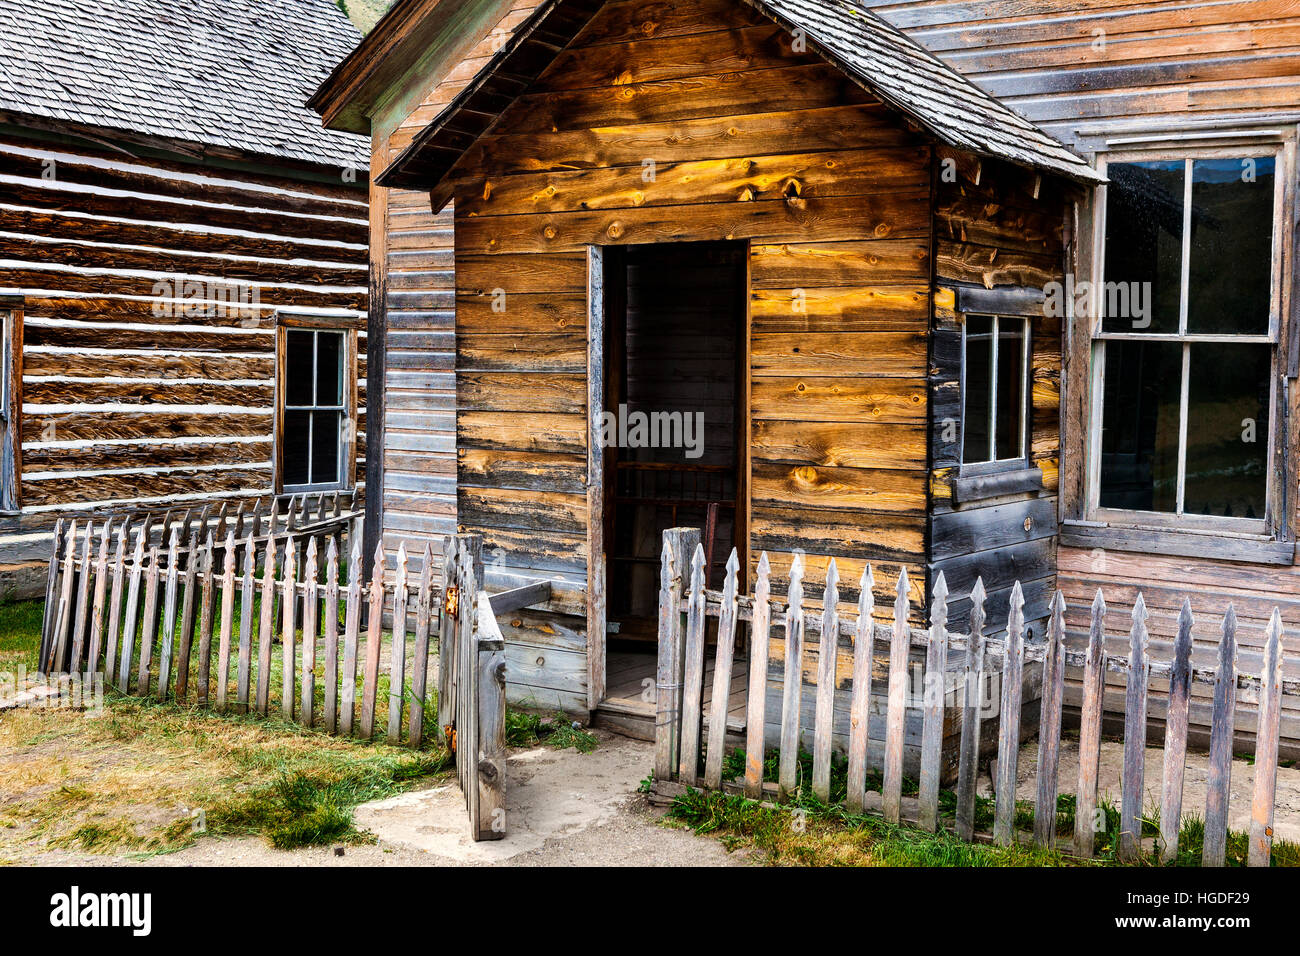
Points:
(227, 615)
(374, 644)
(972, 705)
(447, 643)
(168, 645)
(132, 608)
(351, 632)
(900, 645)
(82, 603)
(825, 714)
(420, 665)
(52, 590)
(490, 752)
(115, 606)
(1180, 689)
(1094, 682)
(1266, 740)
(58, 644)
(265, 634)
(756, 709)
(1049, 726)
(97, 612)
(722, 662)
(148, 625)
(289, 625)
(246, 617)
(668, 639)
(863, 658)
(331, 702)
(1135, 736)
(518, 598)
(310, 630)
(1218, 784)
(792, 683)
(693, 675)
(596, 597)
(1004, 810)
(397, 657)
(188, 610)
(936, 667)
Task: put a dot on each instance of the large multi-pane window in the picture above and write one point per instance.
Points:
(995, 390)
(315, 408)
(1185, 347)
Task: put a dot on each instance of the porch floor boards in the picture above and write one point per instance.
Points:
(627, 670)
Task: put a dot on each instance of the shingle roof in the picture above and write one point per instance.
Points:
(226, 73)
(868, 50)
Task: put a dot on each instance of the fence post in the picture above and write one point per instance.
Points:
(792, 683)
(693, 674)
(667, 710)
(1180, 689)
(1266, 731)
(1135, 735)
(1049, 727)
(932, 690)
(722, 676)
(972, 703)
(1221, 721)
(756, 710)
(864, 646)
(827, 652)
(1094, 685)
(490, 755)
(1004, 809)
(900, 647)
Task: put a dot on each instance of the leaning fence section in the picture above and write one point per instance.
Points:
(685, 756)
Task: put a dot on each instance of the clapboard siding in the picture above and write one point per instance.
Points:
(132, 392)
(833, 194)
(1087, 70)
(986, 212)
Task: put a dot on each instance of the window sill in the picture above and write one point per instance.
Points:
(1244, 549)
(977, 487)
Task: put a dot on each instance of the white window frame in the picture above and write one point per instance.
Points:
(347, 410)
(995, 464)
(1282, 151)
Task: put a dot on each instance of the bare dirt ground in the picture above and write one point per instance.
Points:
(563, 808)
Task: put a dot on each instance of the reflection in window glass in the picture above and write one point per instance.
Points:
(1144, 241)
(1232, 246)
(1227, 430)
(1140, 425)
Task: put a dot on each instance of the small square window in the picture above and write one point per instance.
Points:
(314, 411)
(995, 389)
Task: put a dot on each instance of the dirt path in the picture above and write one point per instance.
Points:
(563, 808)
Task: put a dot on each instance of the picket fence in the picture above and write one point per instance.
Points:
(681, 668)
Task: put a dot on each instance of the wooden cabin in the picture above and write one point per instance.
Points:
(711, 263)
(183, 262)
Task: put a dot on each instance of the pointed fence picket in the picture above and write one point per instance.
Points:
(690, 615)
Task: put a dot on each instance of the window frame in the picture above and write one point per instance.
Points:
(11, 402)
(348, 326)
(1273, 524)
(1023, 461)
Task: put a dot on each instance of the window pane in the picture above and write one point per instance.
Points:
(1144, 246)
(1232, 246)
(325, 447)
(329, 368)
(1227, 430)
(975, 385)
(297, 428)
(1139, 429)
(298, 367)
(1011, 400)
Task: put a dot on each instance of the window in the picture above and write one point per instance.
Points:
(316, 407)
(995, 391)
(11, 338)
(1185, 344)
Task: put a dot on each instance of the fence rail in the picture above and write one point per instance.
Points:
(682, 756)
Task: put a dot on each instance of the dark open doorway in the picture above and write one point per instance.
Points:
(675, 364)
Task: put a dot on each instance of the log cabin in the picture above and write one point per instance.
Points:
(183, 263)
(864, 243)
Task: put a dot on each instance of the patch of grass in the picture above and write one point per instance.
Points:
(20, 634)
(832, 835)
(524, 729)
(141, 776)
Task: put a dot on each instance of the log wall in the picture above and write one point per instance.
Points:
(129, 395)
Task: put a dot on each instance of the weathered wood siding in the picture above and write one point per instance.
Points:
(1089, 71)
(1086, 70)
(124, 401)
(748, 141)
(996, 227)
